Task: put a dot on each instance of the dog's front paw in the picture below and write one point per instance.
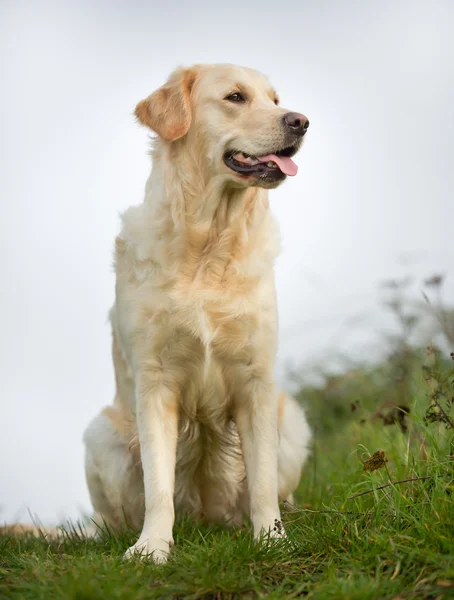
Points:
(150, 548)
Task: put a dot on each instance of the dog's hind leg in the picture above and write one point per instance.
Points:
(294, 441)
(113, 472)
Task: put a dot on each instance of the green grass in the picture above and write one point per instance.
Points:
(393, 543)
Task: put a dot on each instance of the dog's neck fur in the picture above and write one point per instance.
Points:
(217, 226)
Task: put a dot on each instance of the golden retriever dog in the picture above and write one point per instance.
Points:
(197, 425)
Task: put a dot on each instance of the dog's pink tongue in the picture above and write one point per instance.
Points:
(285, 163)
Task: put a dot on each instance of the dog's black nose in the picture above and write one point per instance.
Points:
(296, 123)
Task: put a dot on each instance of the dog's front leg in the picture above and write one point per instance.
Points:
(157, 421)
(256, 421)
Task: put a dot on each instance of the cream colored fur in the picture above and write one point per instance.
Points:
(197, 425)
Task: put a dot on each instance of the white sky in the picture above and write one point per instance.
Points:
(372, 200)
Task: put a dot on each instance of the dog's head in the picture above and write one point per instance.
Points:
(231, 116)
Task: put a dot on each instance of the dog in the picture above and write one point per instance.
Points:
(197, 426)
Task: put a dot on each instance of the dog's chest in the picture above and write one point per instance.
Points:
(220, 324)
(215, 330)
(201, 321)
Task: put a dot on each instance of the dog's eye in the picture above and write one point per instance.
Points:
(236, 97)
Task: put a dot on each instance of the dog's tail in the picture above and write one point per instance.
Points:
(50, 533)
(17, 529)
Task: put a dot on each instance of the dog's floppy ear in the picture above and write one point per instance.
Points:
(168, 110)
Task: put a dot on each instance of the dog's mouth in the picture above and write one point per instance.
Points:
(276, 165)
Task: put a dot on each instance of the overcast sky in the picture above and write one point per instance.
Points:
(372, 199)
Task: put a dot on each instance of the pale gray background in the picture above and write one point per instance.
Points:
(372, 200)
